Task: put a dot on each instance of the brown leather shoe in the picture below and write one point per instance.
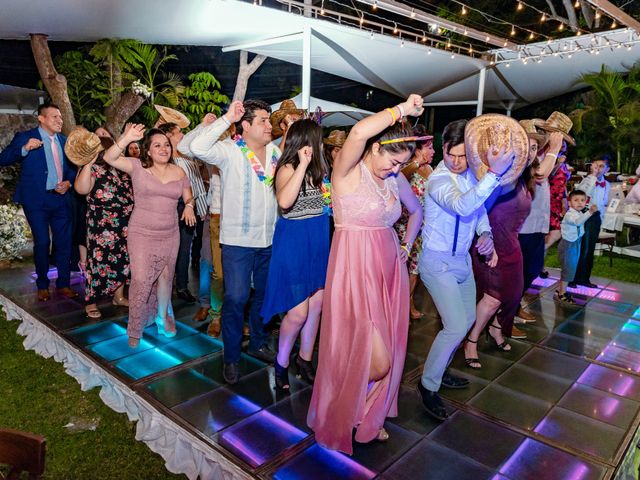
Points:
(67, 292)
(43, 295)
(201, 315)
(517, 333)
(528, 317)
(214, 328)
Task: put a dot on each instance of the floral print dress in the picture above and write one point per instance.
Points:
(418, 185)
(109, 207)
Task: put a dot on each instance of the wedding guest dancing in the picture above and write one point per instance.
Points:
(298, 267)
(363, 336)
(454, 211)
(109, 198)
(153, 237)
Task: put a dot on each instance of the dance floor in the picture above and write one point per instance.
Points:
(563, 404)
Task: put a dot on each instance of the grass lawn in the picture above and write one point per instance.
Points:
(625, 269)
(36, 395)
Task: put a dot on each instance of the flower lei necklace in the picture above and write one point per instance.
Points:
(255, 163)
(327, 208)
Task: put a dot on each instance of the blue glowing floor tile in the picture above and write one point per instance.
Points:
(429, 460)
(146, 363)
(612, 381)
(474, 442)
(180, 386)
(216, 410)
(192, 347)
(118, 347)
(627, 340)
(260, 438)
(318, 463)
(97, 332)
(599, 405)
(536, 461)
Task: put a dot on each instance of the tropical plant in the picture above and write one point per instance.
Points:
(114, 56)
(202, 96)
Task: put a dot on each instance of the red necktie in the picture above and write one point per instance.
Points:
(601, 184)
(56, 157)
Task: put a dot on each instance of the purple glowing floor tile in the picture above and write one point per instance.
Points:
(599, 405)
(610, 294)
(585, 291)
(536, 461)
(260, 438)
(612, 381)
(545, 282)
(318, 463)
(215, 410)
(582, 433)
(615, 355)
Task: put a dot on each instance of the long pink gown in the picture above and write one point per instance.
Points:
(153, 242)
(367, 288)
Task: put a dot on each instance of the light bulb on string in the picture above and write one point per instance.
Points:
(424, 37)
(513, 30)
(361, 20)
(579, 33)
(561, 27)
(453, 55)
(464, 10)
(448, 43)
(505, 43)
(520, 7)
(598, 15)
(629, 47)
(614, 24)
(543, 18)
(374, 7)
(470, 49)
(487, 38)
(429, 51)
(465, 32)
(577, 4)
(507, 64)
(395, 28)
(531, 36)
(413, 13)
(322, 8)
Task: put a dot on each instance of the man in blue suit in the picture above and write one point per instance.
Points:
(44, 193)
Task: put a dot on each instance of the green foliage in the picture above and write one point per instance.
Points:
(114, 56)
(609, 119)
(86, 84)
(202, 96)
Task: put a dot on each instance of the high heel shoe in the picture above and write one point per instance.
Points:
(472, 362)
(504, 346)
(282, 376)
(383, 435)
(304, 369)
(162, 330)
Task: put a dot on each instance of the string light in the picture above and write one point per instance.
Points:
(429, 51)
(322, 8)
(449, 43)
(614, 24)
(361, 20)
(577, 4)
(543, 18)
(464, 10)
(453, 55)
(598, 15)
(413, 13)
(507, 65)
(487, 38)
(374, 7)
(424, 37)
(513, 30)
(520, 7)
(561, 27)
(395, 28)
(531, 36)
(470, 49)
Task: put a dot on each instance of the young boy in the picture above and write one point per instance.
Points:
(597, 190)
(572, 228)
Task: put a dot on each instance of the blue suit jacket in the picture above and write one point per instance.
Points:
(31, 188)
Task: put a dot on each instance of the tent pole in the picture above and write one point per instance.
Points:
(306, 67)
(483, 74)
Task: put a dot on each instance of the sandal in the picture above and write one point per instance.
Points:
(92, 312)
(120, 301)
(472, 362)
(383, 435)
(564, 297)
(504, 346)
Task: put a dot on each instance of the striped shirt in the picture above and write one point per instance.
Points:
(190, 167)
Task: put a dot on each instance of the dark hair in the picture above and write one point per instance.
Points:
(301, 134)
(250, 108)
(126, 150)
(146, 143)
(529, 177)
(167, 127)
(399, 130)
(46, 105)
(453, 134)
(605, 157)
(576, 193)
(106, 143)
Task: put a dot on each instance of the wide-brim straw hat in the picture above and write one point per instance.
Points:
(557, 122)
(336, 138)
(534, 134)
(287, 107)
(495, 131)
(171, 115)
(82, 146)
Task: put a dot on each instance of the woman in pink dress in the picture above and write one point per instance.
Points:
(363, 335)
(153, 236)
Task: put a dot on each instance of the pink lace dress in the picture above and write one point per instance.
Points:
(153, 242)
(367, 290)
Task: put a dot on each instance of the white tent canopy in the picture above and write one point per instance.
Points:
(335, 114)
(347, 51)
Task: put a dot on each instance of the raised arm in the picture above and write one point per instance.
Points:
(549, 161)
(362, 131)
(289, 180)
(84, 180)
(206, 146)
(113, 156)
(184, 147)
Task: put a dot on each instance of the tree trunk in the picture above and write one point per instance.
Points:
(587, 13)
(118, 114)
(55, 83)
(245, 72)
(571, 14)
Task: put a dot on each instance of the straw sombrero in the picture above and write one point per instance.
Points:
(557, 122)
(336, 138)
(82, 146)
(170, 115)
(287, 107)
(495, 131)
(532, 133)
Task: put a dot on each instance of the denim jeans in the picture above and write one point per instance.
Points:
(240, 265)
(450, 282)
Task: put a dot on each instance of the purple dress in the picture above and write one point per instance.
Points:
(152, 242)
(505, 281)
(367, 290)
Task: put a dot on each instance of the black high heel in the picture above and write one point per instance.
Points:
(304, 369)
(504, 346)
(470, 362)
(282, 376)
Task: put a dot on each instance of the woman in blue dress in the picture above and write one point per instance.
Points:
(300, 254)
